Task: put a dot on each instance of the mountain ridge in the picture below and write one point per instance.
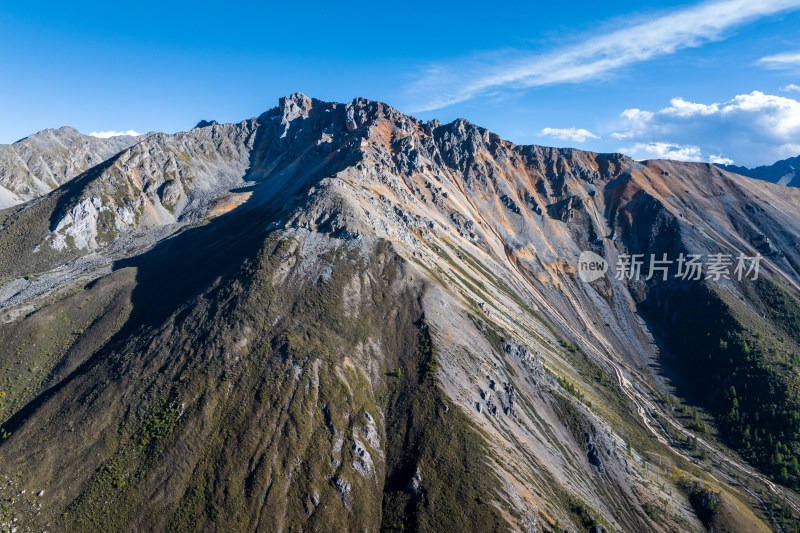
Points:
(784, 172)
(349, 318)
(45, 160)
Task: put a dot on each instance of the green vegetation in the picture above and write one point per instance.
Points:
(106, 226)
(227, 410)
(571, 348)
(652, 511)
(158, 426)
(427, 434)
(569, 387)
(585, 517)
(428, 351)
(33, 347)
(706, 503)
(745, 372)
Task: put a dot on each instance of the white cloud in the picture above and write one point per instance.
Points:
(781, 61)
(719, 160)
(112, 133)
(791, 87)
(578, 135)
(661, 150)
(638, 40)
(621, 136)
(683, 109)
(676, 152)
(751, 129)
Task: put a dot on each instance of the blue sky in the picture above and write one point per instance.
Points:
(711, 81)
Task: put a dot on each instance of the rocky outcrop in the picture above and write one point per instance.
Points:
(565, 209)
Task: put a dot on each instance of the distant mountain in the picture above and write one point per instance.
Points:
(785, 172)
(37, 164)
(206, 123)
(337, 317)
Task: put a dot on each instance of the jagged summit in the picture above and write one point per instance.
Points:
(33, 166)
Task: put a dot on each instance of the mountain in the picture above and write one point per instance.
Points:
(783, 172)
(338, 317)
(42, 162)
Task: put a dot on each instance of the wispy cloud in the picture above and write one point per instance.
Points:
(112, 133)
(791, 87)
(445, 84)
(781, 61)
(569, 134)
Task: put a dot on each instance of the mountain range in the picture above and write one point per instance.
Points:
(784, 172)
(44, 161)
(337, 317)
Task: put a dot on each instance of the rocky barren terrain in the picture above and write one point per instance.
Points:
(337, 317)
(42, 162)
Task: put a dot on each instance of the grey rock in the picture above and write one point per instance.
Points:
(41, 162)
(415, 483)
(343, 486)
(170, 192)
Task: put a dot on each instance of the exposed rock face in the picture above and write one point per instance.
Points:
(338, 317)
(414, 485)
(38, 164)
(565, 209)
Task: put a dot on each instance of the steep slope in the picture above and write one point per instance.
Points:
(350, 319)
(784, 172)
(127, 202)
(732, 343)
(37, 164)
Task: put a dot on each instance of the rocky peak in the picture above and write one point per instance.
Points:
(295, 106)
(47, 135)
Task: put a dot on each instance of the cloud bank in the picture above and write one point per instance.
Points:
(750, 129)
(112, 133)
(639, 40)
(661, 150)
